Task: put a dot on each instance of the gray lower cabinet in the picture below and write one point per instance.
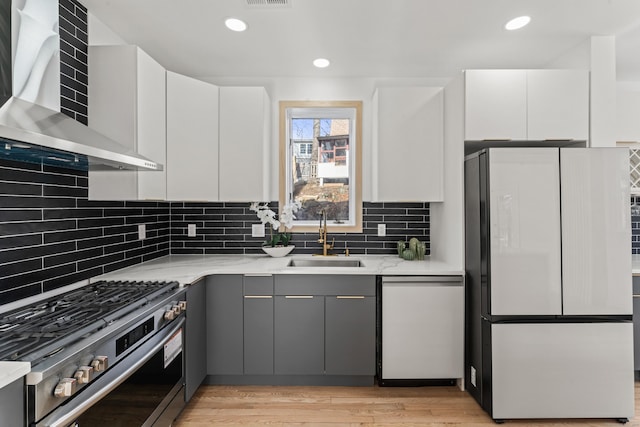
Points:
(195, 339)
(351, 335)
(290, 329)
(299, 335)
(12, 404)
(258, 325)
(225, 352)
(636, 323)
(325, 324)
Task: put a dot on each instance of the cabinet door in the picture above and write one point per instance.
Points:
(636, 332)
(224, 325)
(258, 325)
(627, 113)
(350, 343)
(244, 144)
(151, 126)
(596, 231)
(299, 335)
(192, 139)
(112, 112)
(408, 144)
(12, 401)
(495, 104)
(557, 104)
(196, 338)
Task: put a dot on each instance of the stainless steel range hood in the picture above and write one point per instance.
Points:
(31, 124)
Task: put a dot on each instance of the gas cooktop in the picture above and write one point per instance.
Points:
(44, 328)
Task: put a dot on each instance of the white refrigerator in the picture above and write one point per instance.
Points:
(548, 331)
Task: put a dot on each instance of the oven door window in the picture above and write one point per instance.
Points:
(135, 401)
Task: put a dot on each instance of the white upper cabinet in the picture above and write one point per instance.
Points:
(127, 104)
(192, 139)
(495, 104)
(523, 105)
(557, 105)
(627, 114)
(244, 144)
(408, 144)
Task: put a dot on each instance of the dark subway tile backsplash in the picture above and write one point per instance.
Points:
(225, 228)
(74, 61)
(635, 225)
(53, 236)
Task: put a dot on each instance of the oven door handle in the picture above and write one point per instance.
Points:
(64, 416)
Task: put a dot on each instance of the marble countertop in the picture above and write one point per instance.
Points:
(11, 371)
(187, 269)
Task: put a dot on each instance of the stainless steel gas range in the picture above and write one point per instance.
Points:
(107, 353)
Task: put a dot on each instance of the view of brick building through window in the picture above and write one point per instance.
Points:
(321, 168)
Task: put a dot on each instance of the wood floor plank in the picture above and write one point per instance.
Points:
(304, 406)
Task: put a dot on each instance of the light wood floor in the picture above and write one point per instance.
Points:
(350, 407)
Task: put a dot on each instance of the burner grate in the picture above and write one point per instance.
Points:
(44, 328)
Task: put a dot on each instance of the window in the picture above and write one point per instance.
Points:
(320, 154)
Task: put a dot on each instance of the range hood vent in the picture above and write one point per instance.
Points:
(32, 128)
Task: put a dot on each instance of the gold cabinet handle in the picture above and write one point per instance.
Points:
(350, 297)
(298, 296)
(258, 296)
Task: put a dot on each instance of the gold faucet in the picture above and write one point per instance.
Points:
(323, 236)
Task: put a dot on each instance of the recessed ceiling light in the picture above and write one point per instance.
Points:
(235, 24)
(517, 23)
(321, 62)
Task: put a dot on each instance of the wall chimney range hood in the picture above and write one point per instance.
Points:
(32, 128)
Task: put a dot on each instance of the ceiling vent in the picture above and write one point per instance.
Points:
(270, 4)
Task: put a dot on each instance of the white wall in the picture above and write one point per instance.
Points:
(100, 34)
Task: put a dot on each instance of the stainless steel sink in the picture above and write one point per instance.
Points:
(325, 262)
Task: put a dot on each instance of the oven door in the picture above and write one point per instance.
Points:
(144, 389)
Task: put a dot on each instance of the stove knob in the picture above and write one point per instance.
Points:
(100, 363)
(176, 309)
(84, 374)
(169, 314)
(65, 388)
(183, 305)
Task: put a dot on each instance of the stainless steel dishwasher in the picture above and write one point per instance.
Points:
(420, 330)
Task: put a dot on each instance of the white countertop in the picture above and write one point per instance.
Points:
(11, 371)
(186, 269)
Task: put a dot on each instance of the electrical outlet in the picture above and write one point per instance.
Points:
(142, 231)
(382, 229)
(257, 230)
(191, 230)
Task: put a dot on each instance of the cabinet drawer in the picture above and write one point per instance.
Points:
(258, 285)
(302, 284)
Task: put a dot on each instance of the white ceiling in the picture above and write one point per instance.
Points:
(368, 38)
